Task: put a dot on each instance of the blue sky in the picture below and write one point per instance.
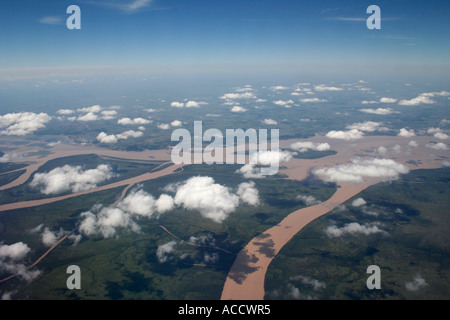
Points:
(211, 33)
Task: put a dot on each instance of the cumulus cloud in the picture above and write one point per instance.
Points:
(177, 104)
(388, 100)
(244, 95)
(424, 98)
(270, 121)
(313, 100)
(308, 200)
(322, 87)
(265, 158)
(248, 193)
(212, 200)
(163, 126)
(163, 252)
(416, 284)
(358, 202)
(69, 178)
(23, 123)
(406, 133)
(353, 228)
(135, 121)
(437, 146)
(105, 221)
(303, 146)
(378, 111)
(345, 135)
(359, 170)
(238, 109)
(102, 137)
(9, 157)
(65, 111)
(283, 103)
(369, 126)
(369, 102)
(176, 123)
(10, 257)
(278, 88)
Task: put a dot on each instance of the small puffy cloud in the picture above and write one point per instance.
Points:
(322, 87)
(129, 134)
(9, 157)
(10, 256)
(345, 135)
(108, 114)
(23, 123)
(440, 135)
(416, 284)
(406, 133)
(269, 157)
(424, 98)
(163, 252)
(369, 102)
(306, 100)
(303, 146)
(177, 104)
(49, 237)
(283, 103)
(250, 172)
(278, 88)
(378, 111)
(238, 109)
(16, 251)
(69, 178)
(244, 95)
(135, 121)
(65, 111)
(388, 100)
(212, 200)
(308, 200)
(94, 109)
(437, 146)
(194, 104)
(359, 170)
(176, 123)
(90, 116)
(358, 202)
(102, 137)
(270, 121)
(413, 143)
(369, 126)
(163, 126)
(353, 228)
(248, 193)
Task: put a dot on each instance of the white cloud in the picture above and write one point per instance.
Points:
(308, 200)
(212, 200)
(378, 111)
(250, 172)
(424, 98)
(94, 109)
(369, 126)
(406, 133)
(176, 123)
(270, 121)
(232, 96)
(164, 250)
(163, 126)
(9, 157)
(441, 135)
(135, 121)
(194, 104)
(49, 237)
(388, 100)
(345, 135)
(10, 255)
(238, 109)
(108, 114)
(358, 202)
(437, 146)
(269, 157)
(105, 138)
(65, 111)
(322, 87)
(69, 178)
(413, 143)
(283, 103)
(16, 251)
(417, 283)
(248, 193)
(278, 88)
(353, 228)
(90, 116)
(359, 170)
(303, 146)
(23, 123)
(177, 104)
(313, 100)
(369, 102)
(129, 134)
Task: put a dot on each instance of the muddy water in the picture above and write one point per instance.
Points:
(245, 280)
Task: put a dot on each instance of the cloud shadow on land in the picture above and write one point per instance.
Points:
(241, 267)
